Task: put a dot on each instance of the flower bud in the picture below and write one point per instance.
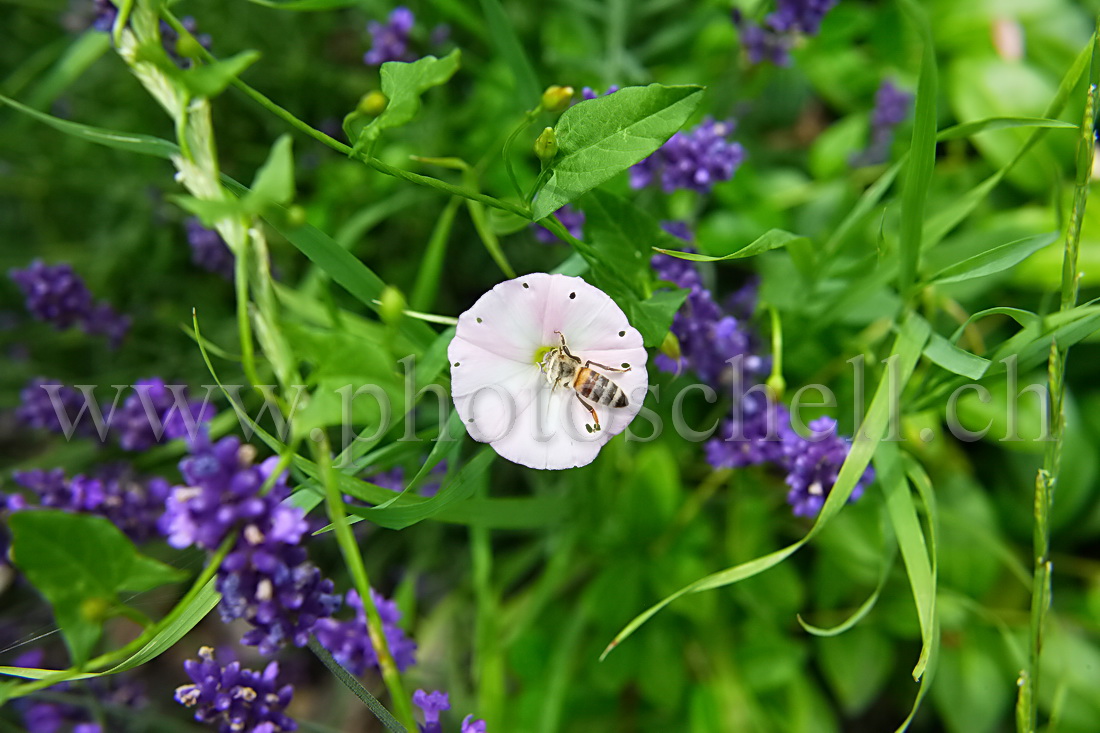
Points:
(546, 146)
(670, 347)
(393, 305)
(777, 385)
(556, 98)
(188, 47)
(373, 104)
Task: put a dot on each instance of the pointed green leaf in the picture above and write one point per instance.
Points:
(769, 240)
(403, 83)
(994, 260)
(79, 563)
(602, 137)
(210, 80)
(128, 141)
(275, 179)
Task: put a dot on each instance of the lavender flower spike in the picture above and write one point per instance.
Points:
(390, 40)
(813, 465)
(234, 698)
(350, 643)
(432, 704)
(266, 578)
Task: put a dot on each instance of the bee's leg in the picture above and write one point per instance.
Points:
(592, 411)
(564, 346)
(605, 367)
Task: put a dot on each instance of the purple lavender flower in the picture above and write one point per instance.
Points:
(135, 505)
(695, 160)
(813, 465)
(236, 698)
(762, 42)
(432, 704)
(799, 16)
(708, 338)
(590, 93)
(390, 40)
(891, 108)
(469, 725)
(266, 578)
(678, 229)
(351, 645)
(394, 479)
(572, 219)
(208, 250)
(155, 412)
(37, 408)
(753, 436)
(105, 14)
(104, 320)
(440, 34)
(57, 295)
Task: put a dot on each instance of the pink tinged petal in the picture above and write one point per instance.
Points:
(502, 396)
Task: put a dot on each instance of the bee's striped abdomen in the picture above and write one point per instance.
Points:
(598, 388)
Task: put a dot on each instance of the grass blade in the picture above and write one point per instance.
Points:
(907, 349)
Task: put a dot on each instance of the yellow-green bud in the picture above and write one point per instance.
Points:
(777, 384)
(670, 347)
(188, 47)
(546, 146)
(556, 98)
(393, 305)
(373, 104)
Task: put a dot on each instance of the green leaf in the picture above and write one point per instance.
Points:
(79, 563)
(907, 349)
(210, 80)
(502, 33)
(146, 573)
(210, 211)
(403, 83)
(308, 5)
(994, 260)
(922, 154)
(967, 129)
(769, 240)
(653, 316)
(942, 352)
(601, 137)
(130, 142)
(275, 179)
(183, 620)
(621, 234)
(946, 219)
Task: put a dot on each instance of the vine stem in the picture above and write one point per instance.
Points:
(372, 162)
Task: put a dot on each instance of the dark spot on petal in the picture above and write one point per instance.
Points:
(456, 363)
(625, 365)
(526, 285)
(621, 333)
(479, 321)
(470, 420)
(572, 295)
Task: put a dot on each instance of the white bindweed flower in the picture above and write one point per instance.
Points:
(507, 345)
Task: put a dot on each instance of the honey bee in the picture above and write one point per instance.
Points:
(562, 369)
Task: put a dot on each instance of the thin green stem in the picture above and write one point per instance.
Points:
(490, 663)
(331, 142)
(1027, 704)
(334, 503)
(506, 151)
(349, 680)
